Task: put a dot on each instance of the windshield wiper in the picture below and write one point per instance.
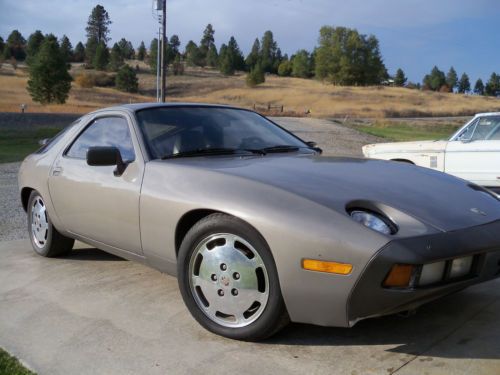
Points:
(279, 148)
(211, 151)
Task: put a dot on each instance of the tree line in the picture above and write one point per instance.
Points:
(343, 57)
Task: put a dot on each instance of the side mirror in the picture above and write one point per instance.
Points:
(106, 156)
(467, 140)
(314, 146)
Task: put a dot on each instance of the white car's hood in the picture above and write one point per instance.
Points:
(401, 147)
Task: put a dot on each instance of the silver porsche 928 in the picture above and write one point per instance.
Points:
(259, 228)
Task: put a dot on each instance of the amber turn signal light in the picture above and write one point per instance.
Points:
(400, 276)
(329, 267)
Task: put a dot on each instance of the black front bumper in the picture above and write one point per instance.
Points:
(370, 298)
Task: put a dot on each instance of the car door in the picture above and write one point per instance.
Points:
(475, 153)
(91, 201)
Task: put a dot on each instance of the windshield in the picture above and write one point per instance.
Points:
(170, 131)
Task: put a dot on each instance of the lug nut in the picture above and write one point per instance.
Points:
(236, 276)
(214, 277)
(234, 292)
(220, 292)
(223, 267)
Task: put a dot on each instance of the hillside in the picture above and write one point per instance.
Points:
(296, 95)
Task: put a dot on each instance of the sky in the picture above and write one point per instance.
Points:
(414, 35)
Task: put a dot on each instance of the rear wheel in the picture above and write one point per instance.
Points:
(45, 238)
(229, 281)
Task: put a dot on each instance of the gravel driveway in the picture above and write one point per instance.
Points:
(334, 139)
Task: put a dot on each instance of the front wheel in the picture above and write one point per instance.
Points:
(229, 281)
(45, 238)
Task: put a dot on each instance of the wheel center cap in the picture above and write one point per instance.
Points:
(224, 281)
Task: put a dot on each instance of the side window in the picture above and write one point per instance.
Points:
(468, 132)
(106, 131)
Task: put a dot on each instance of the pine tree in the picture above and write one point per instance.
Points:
(254, 55)
(400, 78)
(66, 48)
(256, 76)
(49, 79)
(101, 58)
(212, 56)
(35, 40)
(268, 52)
(464, 84)
(126, 48)
(98, 24)
(141, 51)
(192, 54)
(452, 79)
(479, 87)
(15, 46)
(226, 65)
(126, 79)
(492, 87)
(79, 54)
(237, 57)
(435, 80)
(153, 55)
(116, 58)
(206, 42)
(90, 50)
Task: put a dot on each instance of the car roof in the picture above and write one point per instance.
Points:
(487, 114)
(134, 107)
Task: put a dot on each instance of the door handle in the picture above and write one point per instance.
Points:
(56, 171)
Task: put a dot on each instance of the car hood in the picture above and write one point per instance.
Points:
(438, 199)
(401, 147)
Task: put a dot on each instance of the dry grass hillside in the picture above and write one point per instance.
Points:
(296, 95)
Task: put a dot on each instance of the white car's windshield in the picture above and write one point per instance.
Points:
(170, 131)
(482, 129)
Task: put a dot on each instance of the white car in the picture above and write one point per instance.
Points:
(472, 153)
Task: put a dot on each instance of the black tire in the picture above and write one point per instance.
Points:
(274, 315)
(54, 243)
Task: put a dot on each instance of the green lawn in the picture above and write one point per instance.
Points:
(407, 132)
(11, 366)
(16, 144)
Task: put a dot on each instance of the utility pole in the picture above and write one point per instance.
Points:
(163, 45)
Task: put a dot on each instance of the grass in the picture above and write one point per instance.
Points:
(16, 144)
(11, 366)
(401, 131)
(296, 95)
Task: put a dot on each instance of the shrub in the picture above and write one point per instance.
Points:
(85, 80)
(256, 76)
(102, 79)
(126, 79)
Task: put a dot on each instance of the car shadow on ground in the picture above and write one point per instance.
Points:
(462, 325)
(91, 254)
